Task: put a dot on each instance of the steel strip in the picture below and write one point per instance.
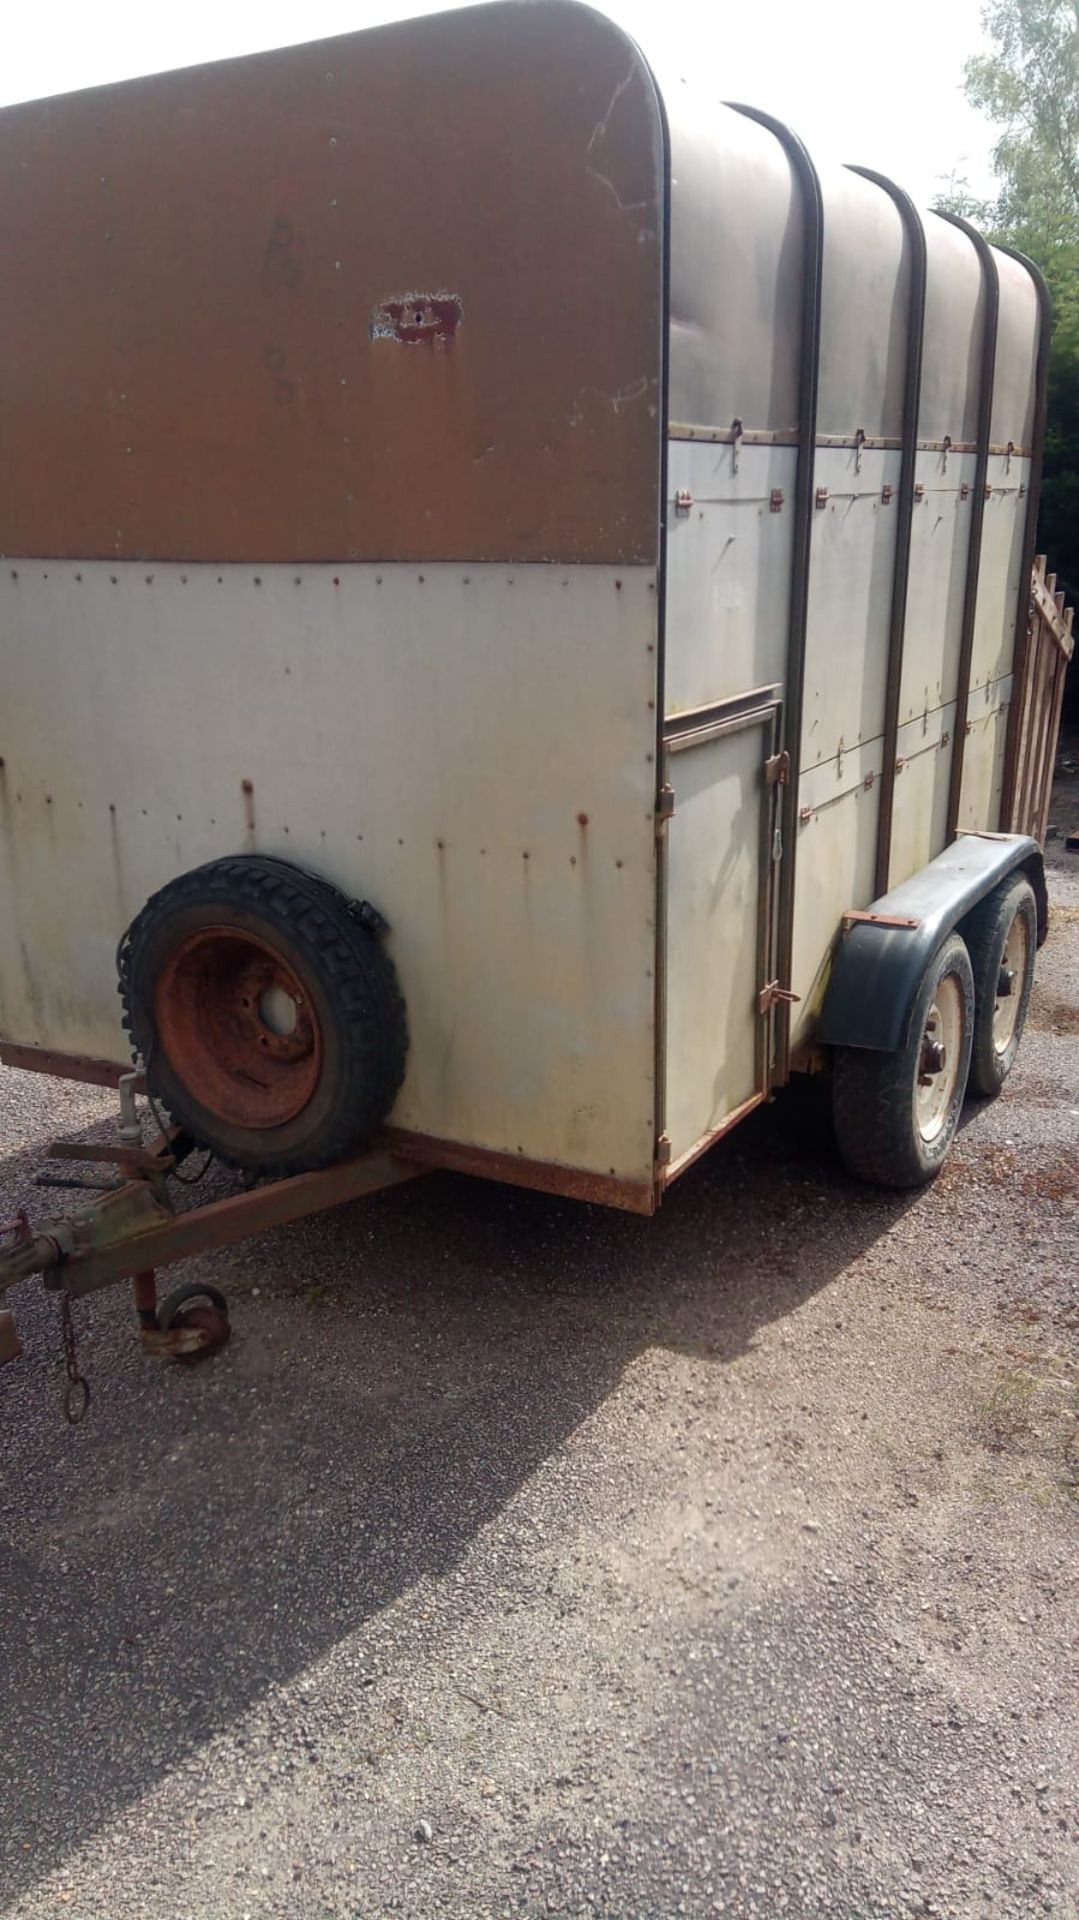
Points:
(794, 690)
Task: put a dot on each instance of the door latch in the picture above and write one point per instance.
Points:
(773, 995)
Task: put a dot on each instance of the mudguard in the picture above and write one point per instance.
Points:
(882, 954)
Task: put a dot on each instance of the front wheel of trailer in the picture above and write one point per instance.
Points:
(896, 1114)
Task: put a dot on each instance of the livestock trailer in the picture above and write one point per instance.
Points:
(512, 616)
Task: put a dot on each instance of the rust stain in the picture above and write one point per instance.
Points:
(217, 333)
(117, 864)
(417, 319)
(543, 1176)
(247, 788)
(65, 1066)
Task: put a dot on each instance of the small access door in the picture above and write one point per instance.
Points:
(722, 850)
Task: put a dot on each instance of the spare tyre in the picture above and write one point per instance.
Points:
(266, 1012)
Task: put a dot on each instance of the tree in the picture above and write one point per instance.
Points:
(1029, 87)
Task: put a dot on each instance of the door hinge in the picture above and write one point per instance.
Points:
(683, 500)
(777, 770)
(663, 1150)
(774, 995)
(664, 805)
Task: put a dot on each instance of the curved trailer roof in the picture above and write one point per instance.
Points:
(249, 245)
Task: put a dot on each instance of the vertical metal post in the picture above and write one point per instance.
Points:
(794, 689)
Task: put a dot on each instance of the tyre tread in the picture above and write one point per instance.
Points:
(374, 1023)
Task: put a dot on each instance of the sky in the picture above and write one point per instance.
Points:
(862, 80)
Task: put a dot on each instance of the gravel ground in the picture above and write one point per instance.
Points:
(520, 1558)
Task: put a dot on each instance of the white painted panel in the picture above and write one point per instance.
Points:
(999, 569)
(737, 265)
(1018, 326)
(714, 960)
(983, 756)
(850, 600)
(835, 865)
(728, 571)
(920, 815)
(865, 299)
(470, 748)
(936, 587)
(953, 333)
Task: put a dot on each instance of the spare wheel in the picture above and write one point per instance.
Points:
(266, 1011)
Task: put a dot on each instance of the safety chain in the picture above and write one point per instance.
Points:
(77, 1391)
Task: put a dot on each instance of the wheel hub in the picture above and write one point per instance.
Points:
(1014, 964)
(236, 1026)
(938, 1061)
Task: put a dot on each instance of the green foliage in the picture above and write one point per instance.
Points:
(1029, 87)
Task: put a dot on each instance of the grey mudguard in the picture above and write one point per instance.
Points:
(876, 966)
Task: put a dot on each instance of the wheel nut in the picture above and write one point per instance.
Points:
(1006, 983)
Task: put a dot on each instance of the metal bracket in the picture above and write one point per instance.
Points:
(853, 918)
(886, 495)
(774, 995)
(663, 1150)
(737, 431)
(775, 503)
(777, 769)
(822, 496)
(683, 500)
(664, 805)
(859, 448)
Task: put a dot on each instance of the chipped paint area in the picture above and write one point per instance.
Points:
(417, 319)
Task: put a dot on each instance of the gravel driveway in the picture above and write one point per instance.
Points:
(521, 1558)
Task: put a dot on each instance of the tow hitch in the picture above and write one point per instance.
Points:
(131, 1228)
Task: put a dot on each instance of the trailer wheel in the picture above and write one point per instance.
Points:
(896, 1113)
(1002, 934)
(266, 1012)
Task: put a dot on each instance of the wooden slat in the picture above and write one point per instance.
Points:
(1050, 605)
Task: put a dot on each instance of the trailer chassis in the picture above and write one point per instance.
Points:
(132, 1228)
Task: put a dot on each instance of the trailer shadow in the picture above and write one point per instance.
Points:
(409, 1363)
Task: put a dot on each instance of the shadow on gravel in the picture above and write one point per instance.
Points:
(411, 1361)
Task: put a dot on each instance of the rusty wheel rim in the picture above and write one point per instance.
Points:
(237, 1028)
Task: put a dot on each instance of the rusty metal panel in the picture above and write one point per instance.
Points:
(1001, 570)
(719, 860)
(983, 757)
(737, 267)
(470, 748)
(837, 838)
(940, 539)
(923, 768)
(394, 295)
(850, 596)
(728, 570)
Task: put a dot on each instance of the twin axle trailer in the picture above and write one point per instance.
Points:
(514, 631)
